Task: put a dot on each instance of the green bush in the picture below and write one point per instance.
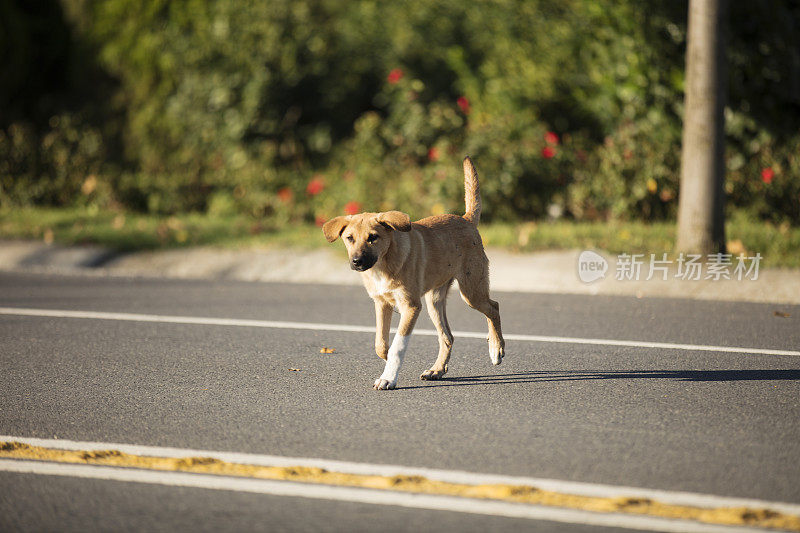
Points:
(297, 109)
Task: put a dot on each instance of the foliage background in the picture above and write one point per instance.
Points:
(295, 110)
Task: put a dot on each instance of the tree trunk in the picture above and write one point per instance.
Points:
(701, 218)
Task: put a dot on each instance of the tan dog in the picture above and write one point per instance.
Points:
(401, 262)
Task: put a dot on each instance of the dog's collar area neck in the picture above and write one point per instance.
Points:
(394, 253)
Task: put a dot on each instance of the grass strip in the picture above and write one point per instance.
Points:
(779, 246)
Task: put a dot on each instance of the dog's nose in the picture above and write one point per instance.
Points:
(358, 261)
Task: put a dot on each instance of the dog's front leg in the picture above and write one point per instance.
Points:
(409, 311)
(383, 317)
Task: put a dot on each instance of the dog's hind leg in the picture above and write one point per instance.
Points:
(409, 311)
(436, 300)
(474, 288)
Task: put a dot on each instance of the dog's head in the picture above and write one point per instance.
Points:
(366, 236)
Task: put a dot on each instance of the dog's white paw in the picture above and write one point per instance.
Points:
(496, 352)
(384, 384)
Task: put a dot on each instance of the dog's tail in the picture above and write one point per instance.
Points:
(472, 192)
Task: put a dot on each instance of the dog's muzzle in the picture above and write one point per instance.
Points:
(360, 263)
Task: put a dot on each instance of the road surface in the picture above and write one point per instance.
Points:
(650, 415)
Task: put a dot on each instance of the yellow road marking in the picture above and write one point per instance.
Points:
(737, 516)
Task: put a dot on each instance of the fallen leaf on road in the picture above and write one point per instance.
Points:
(325, 349)
(781, 314)
(294, 370)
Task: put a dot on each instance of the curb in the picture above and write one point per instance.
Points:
(552, 272)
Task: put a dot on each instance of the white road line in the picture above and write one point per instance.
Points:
(368, 496)
(276, 324)
(597, 490)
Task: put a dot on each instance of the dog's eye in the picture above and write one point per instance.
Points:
(373, 237)
(350, 238)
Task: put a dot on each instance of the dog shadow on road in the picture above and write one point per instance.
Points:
(532, 376)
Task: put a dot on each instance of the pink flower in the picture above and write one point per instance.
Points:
(551, 138)
(767, 174)
(463, 104)
(352, 208)
(433, 154)
(285, 195)
(315, 186)
(548, 152)
(395, 75)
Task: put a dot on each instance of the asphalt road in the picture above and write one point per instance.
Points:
(712, 422)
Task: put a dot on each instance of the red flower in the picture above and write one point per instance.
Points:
(463, 104)
(285, 195)
(551, 138)
(767, 174)
(352, 208)
(433, 154)
(320, 220)
(395, 75)
(315, 186)
(548, 152)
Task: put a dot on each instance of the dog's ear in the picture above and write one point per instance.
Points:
(395, 220)
(334, 227)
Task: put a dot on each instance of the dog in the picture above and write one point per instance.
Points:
(402, 261)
